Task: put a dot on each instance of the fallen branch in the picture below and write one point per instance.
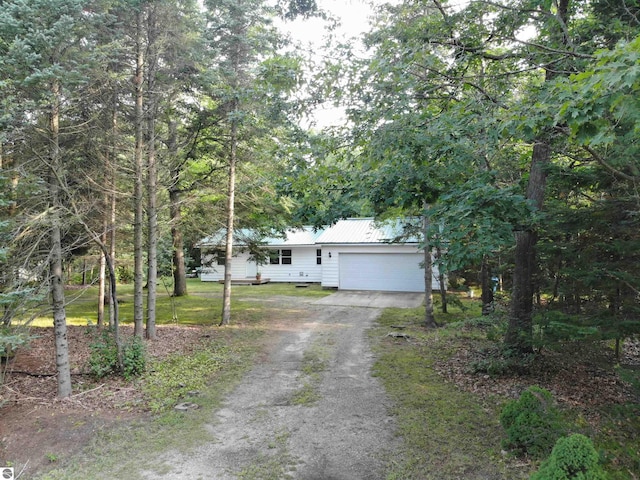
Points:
(398, 335)
(87, 391)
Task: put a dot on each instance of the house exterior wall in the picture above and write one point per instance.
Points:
(303, 267)
(212, 272)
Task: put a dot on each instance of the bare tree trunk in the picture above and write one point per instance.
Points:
(152, 177)
(113, 306)
(226, 296)
(429, 317)
(179, 271)
(55, 257)
(442, 284)
(138, 306)
(102, 284)
(487, 286)
(519, 336)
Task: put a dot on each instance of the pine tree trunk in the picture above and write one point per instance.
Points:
(443, 285)
(152, 177)
(102, 285)
(113, 312)
(226, 296)
(429, 317)
(179, 270)
(138, 286)
(55, 257)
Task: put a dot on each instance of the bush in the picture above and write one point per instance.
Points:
(573, 457)
(103, 359)
(495, 363)
(532, 423)
(134, 358)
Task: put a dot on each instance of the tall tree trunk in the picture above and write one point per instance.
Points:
(138, 286)
(226, 296)
(429, 317)
(113, 172)
(55, 257)
(179, 270)
(152, 176)
(109, 201)
(102, 284)
(487, 286)
(519, 336)
(442, 283)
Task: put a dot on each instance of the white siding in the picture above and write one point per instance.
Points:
(214, 272)
(330, 268)
(303, 268)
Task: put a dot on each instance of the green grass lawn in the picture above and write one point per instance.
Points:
(202, 306)
(447, 433)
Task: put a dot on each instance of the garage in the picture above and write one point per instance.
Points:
(394, 272)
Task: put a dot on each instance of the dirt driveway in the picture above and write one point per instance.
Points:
(311, 410)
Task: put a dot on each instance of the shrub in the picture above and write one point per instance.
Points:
(573, 457)
(532, 423)
(103, 359)
(103, 356)
(134, 358)
(497, 362)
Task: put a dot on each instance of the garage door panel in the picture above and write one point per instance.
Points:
(398, 272)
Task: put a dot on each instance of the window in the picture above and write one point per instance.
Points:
(277, 257)
(221, 257)
(318, 257)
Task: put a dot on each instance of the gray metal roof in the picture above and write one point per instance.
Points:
(295, 237)
(348, 231)
(362, 231)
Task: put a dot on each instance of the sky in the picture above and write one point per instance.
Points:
(354, 16)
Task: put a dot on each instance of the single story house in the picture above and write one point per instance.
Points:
(353, 254)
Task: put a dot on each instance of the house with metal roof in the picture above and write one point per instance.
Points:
(353, 254)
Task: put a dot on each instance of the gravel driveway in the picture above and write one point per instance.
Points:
(310, 410)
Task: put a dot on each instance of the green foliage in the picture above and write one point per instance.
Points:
(532, 423)
(124, 274)
(618, 440)
(497, 362)
(573, 457)
(173, 377)
(11, 339)
(134, 358)
(556, 326)
(103, 357)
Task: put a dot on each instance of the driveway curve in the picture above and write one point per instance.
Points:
(310, 410)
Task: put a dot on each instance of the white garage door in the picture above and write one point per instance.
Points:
(395, 272)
